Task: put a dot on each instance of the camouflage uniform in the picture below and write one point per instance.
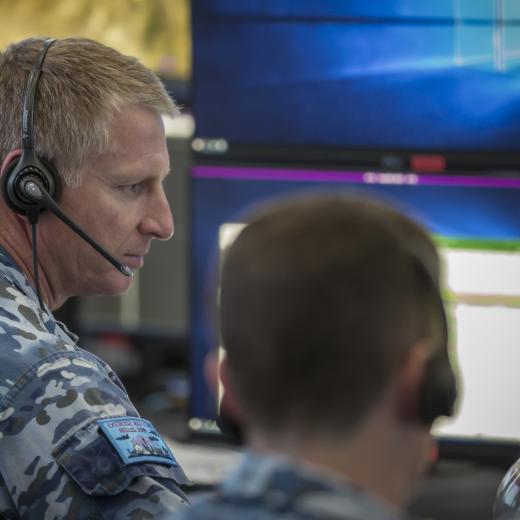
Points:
(269, 488)
(54, 460)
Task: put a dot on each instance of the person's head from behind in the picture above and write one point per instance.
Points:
(97, 120)
(329, 313)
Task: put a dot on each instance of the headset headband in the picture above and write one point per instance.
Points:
(30, 94)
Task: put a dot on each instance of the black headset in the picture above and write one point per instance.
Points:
(438, 389)
(29, 167)
(31, 184)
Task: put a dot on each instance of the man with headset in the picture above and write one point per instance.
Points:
(336, 361)
(83, 159)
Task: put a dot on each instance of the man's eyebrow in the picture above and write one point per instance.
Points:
(138, 176)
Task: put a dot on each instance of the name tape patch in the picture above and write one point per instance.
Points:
(136, 440)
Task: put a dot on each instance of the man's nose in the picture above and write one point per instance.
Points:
(158, 220)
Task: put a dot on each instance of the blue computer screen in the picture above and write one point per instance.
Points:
(476, 222)
(436, 75)
(311, 77)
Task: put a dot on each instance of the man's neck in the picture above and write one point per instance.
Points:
(15, 238)
(383, 461)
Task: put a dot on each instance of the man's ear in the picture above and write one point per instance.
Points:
(229, 417)
(218, 379)
(410, 377)
(10, 157)
(230, 402)
(211, 371)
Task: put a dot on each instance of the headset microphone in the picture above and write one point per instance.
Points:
(36, 193)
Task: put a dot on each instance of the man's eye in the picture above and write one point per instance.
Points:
(133, 188)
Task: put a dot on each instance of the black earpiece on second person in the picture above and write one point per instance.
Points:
(438, 389)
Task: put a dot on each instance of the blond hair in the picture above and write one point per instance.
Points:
(82, 86)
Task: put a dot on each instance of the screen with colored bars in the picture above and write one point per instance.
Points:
(437, 75)
(474, 220)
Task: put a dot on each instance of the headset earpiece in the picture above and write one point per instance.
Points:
(29, 165)
(18, 171)
(438, 391)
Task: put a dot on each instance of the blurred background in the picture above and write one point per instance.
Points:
(157, 31)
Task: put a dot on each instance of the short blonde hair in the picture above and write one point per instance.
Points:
(83, 85)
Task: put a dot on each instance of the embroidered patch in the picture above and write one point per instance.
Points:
(136, 440)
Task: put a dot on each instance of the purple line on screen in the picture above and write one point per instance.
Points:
(388, 178)
(461, 180)
(275, 174)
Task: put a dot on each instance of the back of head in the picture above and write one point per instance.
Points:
(320, 299)
(83, 85)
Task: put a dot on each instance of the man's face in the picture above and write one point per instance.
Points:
(121, 203)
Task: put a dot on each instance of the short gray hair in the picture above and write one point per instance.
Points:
(83, 85)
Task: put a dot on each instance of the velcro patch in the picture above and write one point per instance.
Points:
(136, 440)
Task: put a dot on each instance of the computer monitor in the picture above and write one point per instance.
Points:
(474, 220)
(378, 84)
(415, 101)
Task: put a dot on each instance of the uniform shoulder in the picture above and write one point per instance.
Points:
(25, 341)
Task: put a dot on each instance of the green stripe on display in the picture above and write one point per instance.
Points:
(482, 244)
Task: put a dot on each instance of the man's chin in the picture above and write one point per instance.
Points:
(114, 284)
(122, 285)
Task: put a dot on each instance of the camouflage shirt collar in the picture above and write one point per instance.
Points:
(301, 489)
(11, 273)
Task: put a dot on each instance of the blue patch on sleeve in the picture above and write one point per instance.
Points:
(136, 440)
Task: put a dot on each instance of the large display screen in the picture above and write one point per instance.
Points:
(436, 75)
(476, 223)
(289, 96)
